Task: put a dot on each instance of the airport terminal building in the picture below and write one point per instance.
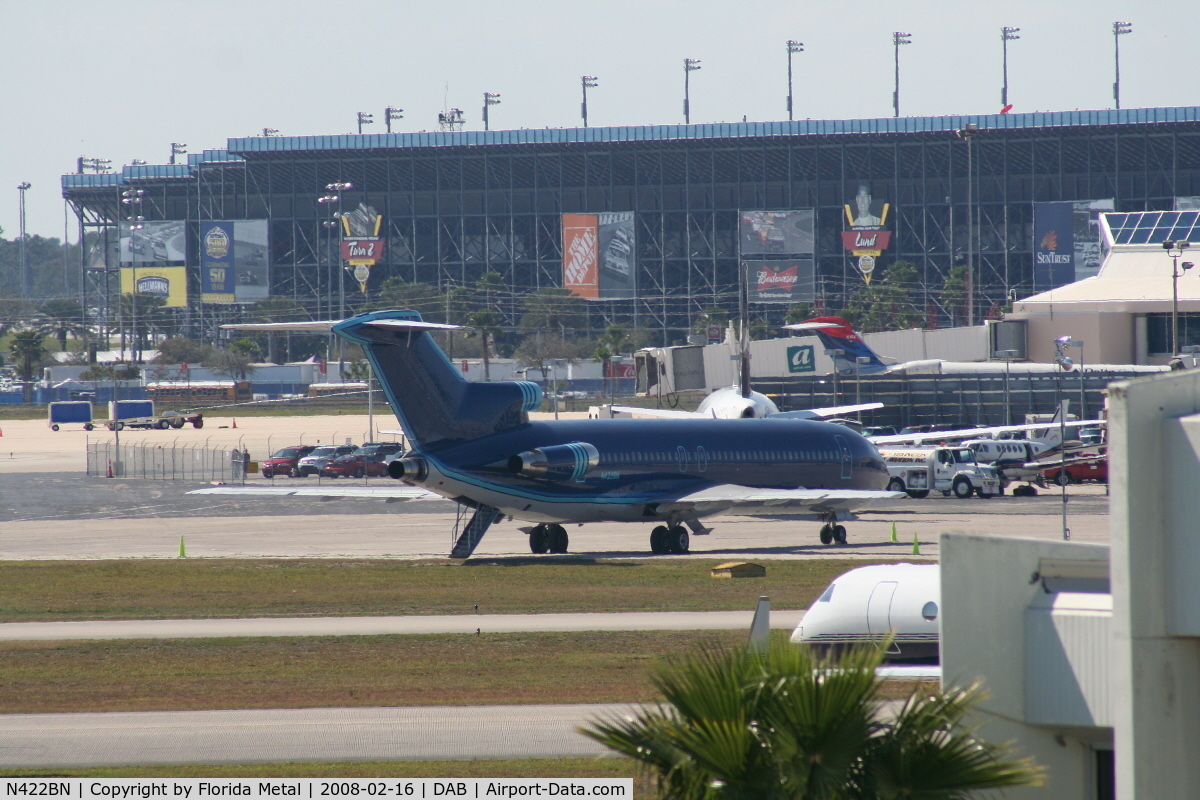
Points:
(675, 209)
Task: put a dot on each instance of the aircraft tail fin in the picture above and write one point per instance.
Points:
(836, 333)
(432, 400)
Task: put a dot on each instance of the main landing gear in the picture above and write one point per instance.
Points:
(548, 539)
(832, 532)
(669, 539)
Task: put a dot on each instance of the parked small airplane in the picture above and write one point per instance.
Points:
(869, 603)
(838, 336)
(473, 443)
(731, 403)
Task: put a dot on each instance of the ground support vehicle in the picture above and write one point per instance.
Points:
(67, 411)
(949, 470)
(167, 419)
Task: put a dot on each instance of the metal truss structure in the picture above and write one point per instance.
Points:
(458, 205)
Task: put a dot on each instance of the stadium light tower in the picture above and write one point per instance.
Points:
(1007, 35)
(94, 164)
(1119, 30)
(792, 47)
(177, 149)
(26, 278)
(270, 131)
(898, 39)
(390, 115)
(690, 65)
(587, 82)
(365, 119)
(489, 99)
(132, 198)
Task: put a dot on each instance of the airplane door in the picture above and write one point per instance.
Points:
(844, 450)
(879, 607)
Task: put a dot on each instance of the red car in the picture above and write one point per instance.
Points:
(370, 460)
(283, 461)
(1079, 471)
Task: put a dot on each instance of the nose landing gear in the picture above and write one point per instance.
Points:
(548, 539)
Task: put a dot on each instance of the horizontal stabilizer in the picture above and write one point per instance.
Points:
(312, 326)
(830, 411)
(810, 326)
(399, 491)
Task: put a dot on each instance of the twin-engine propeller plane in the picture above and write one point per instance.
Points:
(474, 443)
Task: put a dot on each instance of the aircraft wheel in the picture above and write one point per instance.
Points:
(537, 539)
(918, 494)
(658, 539)
(962, 488)
(827, 534)
(679, 539)
(895, 485)
(557, 538)
(839, 534)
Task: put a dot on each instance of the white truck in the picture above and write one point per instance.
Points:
(918, 470)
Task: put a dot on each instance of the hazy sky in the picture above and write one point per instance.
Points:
(121, 80)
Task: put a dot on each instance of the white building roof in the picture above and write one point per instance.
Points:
(1132, 279)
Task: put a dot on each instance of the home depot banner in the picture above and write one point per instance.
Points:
(599, 255)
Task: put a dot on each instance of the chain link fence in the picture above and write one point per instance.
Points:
(166, 462)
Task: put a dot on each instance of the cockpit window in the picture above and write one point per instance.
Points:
(828, 595)
(930, 611)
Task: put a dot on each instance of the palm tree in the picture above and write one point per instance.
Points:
(787, 724)
(486, 325)
(29, 348)
(61, 318)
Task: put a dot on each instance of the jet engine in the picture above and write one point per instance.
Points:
(562, 462)
(409, 469)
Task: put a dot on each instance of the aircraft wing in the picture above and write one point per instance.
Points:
(749, 501)
(390, 494)
(663, 413)
(971, 433)
(829, 411)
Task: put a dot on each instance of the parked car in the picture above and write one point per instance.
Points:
(284, 461)
(314, 462)
(879, 430)
(1079, 471)
(369, 460)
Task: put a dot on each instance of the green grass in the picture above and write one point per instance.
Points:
(338, 671)
(221, 588)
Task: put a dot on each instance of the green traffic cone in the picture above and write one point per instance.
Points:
(916, 546)
(182, 548)
(894, 539)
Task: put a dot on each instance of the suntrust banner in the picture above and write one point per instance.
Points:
(1053, 245)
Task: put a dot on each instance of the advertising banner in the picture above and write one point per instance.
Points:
(866, 237)
(617, 255)
(169, 283)
(581, 255)
(782, 281)
(361, 244)
(1087, 236)
(1053, 245)
(801, 359)
(789, 233)
(234, 261)
(153, 242)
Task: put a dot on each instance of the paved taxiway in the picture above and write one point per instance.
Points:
(376, 626)
(312, 734)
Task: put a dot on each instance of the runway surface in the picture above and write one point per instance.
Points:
(374, 626)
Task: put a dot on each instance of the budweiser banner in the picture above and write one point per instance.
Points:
(790, 280)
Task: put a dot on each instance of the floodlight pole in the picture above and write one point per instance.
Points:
(792, 47)
(390, 114)
(587, 82)
(690, 65)
(1007, 355)
(364, 119)
(1119, 29)
(834, 354)
(1007, 35)
(489, 99)
(1175, 250)
(859, 362)
(898, 39)
(26, 278)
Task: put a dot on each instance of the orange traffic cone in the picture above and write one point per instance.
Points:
(110, 469)
(235, 422)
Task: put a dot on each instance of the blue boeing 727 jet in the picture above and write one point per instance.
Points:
(474, 443)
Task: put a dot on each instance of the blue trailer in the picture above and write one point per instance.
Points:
(69, 411)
